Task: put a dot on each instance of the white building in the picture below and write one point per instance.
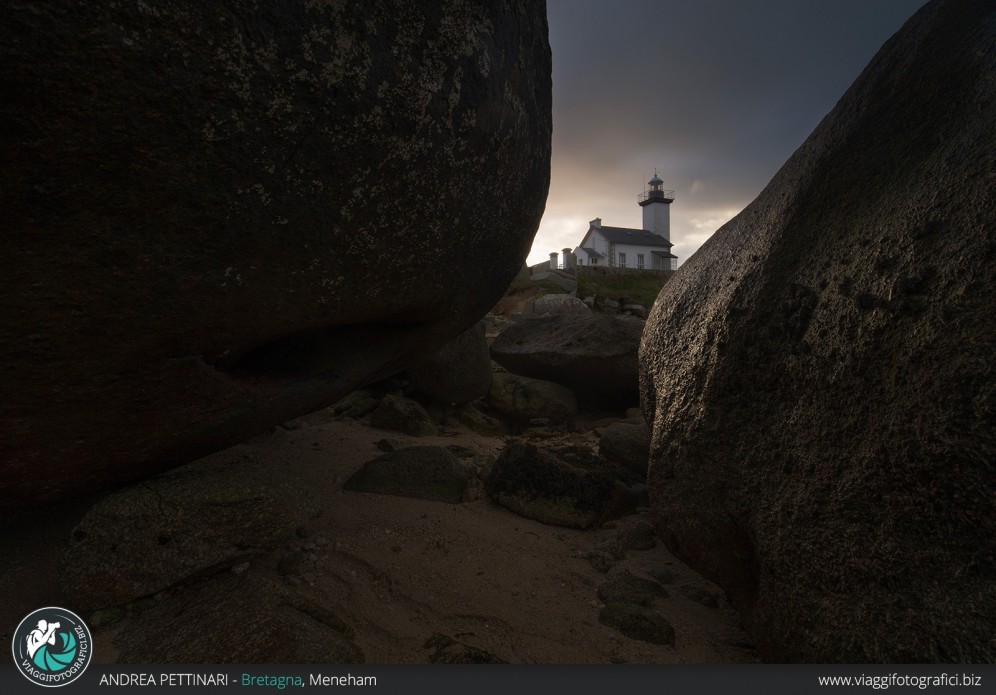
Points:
(621, 247)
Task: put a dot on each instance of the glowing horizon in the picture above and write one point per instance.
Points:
(702, 92)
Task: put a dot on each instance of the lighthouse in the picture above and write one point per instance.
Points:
(656, 203)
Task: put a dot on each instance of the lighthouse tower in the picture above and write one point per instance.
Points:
(656, 204)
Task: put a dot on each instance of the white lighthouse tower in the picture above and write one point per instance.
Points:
(656, 204)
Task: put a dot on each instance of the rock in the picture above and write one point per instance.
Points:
(820, 373)
(637, 310)
(594, 355)
(613, 547)
(233, 619)
(623, 587)
(458, 372)
(521, 398)
(471, 417)
(637, 622)
(403, 415)
(219, 219)
(600, 561)
(559, 304)
(566, 282)
(145, 538)
(389, 444)
(357, 404)
(422, 472)
(536, 485)
(589, 301)
(626, 444)
(641, 536)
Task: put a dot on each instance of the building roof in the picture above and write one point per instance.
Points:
(592, 253)
(641, 237)
(662, 254)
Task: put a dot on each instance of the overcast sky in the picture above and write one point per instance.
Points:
(715, 94)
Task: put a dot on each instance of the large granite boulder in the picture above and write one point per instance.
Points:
(147, 537)
(594, 355)
(218, 217)
(819, 375)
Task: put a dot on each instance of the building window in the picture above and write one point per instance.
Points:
(639, 260)
(622, 260)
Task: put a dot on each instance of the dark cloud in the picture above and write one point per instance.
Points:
(717, 92)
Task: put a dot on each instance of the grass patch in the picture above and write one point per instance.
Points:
(624, 287)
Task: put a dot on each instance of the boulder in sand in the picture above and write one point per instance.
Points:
(211, 214)
(535, 484)
(820, 373)
(594, 355)
(236, 619)
(422, 472)
(403, 415)
(147, 537)
(524, 399)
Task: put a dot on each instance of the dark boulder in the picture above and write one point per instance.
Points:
(218, 217)
(537, 485)
(820, 373)
(622, 587)
(403, 415)
(147, 537)
(235, 619)
(627, 444)
(594, 355)
(422, 472)
(458, 372)
(524, 399)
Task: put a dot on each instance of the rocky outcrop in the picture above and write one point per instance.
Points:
(458, 372)
(820, 373)
(524, 399)
(217, 219)
(554, 304)
(147, 537)
(596, 356)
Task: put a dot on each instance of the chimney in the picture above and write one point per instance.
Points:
(553, 260)
(597, 222)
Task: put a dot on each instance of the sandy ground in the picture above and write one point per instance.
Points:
(400, 570)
